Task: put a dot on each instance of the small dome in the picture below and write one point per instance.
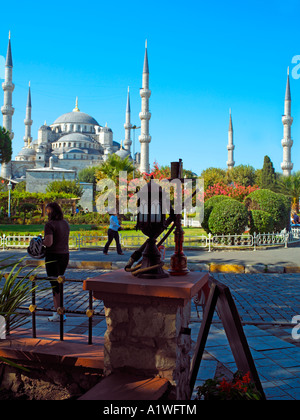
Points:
(76, 117)
(26, 151)
(122, 153)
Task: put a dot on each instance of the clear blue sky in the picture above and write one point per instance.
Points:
(204, 58)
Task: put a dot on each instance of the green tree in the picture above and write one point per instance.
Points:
(268, 175)
(21, 186)
(26, 208)
(67, 187)
(111, 169)
(88, 174)
(113, 166)
(213, 176)
(5, 146)
(242, 175)
(290, 186)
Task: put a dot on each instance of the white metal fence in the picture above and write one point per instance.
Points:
(210, 241)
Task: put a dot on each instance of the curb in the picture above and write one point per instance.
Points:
(193, 266)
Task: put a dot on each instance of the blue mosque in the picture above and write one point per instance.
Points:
(75, 140)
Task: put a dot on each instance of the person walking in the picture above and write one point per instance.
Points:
(113, 234)
(56, 241)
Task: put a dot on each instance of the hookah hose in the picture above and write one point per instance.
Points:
(136, 256)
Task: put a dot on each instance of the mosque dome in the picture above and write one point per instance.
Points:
(76, 117)
(76, 137)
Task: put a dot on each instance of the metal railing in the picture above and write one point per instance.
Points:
(61, 311)
(197, 241)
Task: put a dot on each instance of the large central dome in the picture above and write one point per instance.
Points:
(76, 117)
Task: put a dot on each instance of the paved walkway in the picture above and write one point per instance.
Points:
(274, 255)
(266, 302)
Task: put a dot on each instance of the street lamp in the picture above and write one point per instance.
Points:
(134, 127)
(9, 185)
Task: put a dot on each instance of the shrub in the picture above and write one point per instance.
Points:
(277, 205)
(208, 207)
(87, 218)
(261, 222)
(228, 217)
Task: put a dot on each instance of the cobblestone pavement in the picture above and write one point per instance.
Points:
(266, 304)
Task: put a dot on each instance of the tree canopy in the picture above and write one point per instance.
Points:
(268, 175)
(65, 186)
(5, 146)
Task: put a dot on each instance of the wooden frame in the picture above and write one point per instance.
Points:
(220, 297)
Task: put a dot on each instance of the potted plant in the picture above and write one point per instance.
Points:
(239, 388)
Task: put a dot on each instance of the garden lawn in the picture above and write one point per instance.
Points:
(128, 229)
(37, 229)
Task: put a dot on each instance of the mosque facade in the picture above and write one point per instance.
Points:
(75, 140)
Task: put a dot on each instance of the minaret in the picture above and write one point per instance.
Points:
(127, 126)
(8, 88)
(230, 147)
(7, 109)
(145, 116)
(287, 121)
(28, 121)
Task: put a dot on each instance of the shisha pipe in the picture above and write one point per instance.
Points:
(178, 265)
(137, 255)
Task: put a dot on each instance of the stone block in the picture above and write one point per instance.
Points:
(255, 268)
(226, 268)
(272, 268)
(292, 269)
(116, 315)
(193, 266)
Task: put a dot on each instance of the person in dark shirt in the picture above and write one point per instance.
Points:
(56, 241)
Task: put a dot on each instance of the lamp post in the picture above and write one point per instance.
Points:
(134, 127)
(9, 185)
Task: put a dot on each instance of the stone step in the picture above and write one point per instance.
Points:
(126, 387)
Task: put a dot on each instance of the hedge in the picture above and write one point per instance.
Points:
(208, 207)
(261, 222)
(228, 217)
(277, 205)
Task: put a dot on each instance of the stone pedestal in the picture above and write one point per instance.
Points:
(147, 324)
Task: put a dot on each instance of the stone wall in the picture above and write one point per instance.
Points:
(87, 198)
(146, 335)
(38, 180)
